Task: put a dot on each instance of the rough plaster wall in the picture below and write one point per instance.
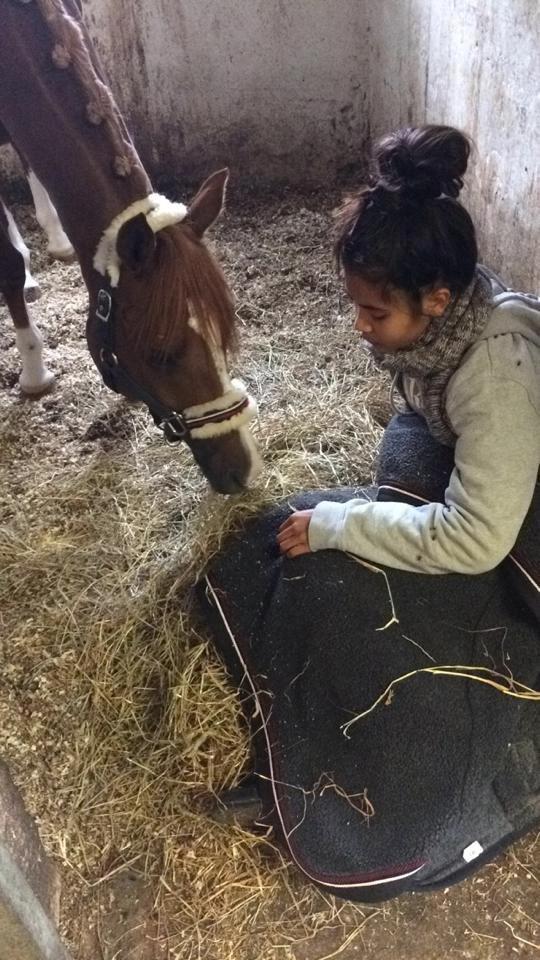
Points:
(473, 64)
(268, 86)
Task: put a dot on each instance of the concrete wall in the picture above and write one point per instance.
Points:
(473, 64)
(295, 88)
(272, 87)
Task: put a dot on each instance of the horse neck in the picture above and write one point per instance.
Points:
(45, 109)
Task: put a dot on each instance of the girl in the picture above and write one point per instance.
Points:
(466, 361)
(345, 675)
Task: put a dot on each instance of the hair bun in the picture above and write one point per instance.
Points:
(421, 163)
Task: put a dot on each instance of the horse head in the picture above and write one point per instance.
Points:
(161, 326)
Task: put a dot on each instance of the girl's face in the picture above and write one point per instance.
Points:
(387, 321)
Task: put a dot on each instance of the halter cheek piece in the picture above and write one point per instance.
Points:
(174, 424)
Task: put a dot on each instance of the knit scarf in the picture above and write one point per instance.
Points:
(435, 356)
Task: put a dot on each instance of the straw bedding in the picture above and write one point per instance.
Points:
(117, 720)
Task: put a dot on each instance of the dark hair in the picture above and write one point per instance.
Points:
(405, 229)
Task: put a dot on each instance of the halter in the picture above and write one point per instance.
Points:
(205, 421)
(196, 423)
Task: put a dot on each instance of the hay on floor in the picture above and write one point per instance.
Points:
(118, 722)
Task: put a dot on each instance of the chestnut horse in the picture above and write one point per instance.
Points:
(161, 316)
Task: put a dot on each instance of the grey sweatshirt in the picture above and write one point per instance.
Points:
(493, 405)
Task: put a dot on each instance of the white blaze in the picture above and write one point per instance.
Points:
(232, 389)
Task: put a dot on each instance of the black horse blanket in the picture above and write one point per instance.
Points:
(377, 774)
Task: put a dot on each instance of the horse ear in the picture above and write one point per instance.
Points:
(208, 202)
(136, 244)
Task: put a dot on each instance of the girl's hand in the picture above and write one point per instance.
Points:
(293, 534)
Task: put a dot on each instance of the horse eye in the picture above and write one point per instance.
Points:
(163, 358)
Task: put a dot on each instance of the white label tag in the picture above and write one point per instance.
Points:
(472, 851)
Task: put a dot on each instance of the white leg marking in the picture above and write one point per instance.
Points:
(48, 219)
(35, 378)
(31, 286)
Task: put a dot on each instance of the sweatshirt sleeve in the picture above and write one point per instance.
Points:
(493, 404)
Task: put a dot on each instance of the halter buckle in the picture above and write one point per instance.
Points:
(108, 358)
(174, 428)
(104, 306)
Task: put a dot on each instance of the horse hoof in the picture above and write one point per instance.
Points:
(241, 805)
(32, 389)
(32, 292)
(65, 254)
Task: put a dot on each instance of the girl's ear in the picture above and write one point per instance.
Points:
(436, 301)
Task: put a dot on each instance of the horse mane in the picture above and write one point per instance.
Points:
(184, 272)
(71, 49)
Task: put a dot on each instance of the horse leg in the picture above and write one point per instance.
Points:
(34, 378)
(58, 246)
(32, 289)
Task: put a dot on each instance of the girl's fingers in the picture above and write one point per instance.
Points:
(292, 535)
(286, 543)
(283, 533)
(286, 523)
(298, 551)
(292, 530)
(294, 545)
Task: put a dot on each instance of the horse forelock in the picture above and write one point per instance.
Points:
(186, 283)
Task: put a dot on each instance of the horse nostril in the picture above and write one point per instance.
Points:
(226, 465)
(235, 482)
